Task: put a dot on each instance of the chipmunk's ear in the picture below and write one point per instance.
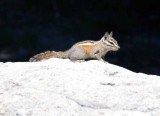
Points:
(106, 34)
(111, 34)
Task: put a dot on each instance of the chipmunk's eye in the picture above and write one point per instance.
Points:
(109, 43)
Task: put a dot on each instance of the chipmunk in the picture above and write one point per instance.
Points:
(83, 50)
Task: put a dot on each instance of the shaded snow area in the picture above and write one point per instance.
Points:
(59, 87)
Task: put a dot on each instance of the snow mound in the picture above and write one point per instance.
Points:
(59, 87)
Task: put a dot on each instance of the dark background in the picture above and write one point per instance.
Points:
(28, 27)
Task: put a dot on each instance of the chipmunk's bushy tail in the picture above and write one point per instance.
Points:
(47, 55)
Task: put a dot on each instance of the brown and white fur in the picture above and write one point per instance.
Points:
(83, 50)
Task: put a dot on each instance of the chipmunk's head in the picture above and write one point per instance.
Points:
(109, 41)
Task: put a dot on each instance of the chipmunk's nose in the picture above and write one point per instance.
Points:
(117, 46)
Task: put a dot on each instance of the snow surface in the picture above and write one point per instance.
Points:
(59, 87)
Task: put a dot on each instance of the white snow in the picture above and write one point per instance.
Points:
(59, 87)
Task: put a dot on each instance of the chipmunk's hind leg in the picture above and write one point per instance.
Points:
(76, 54)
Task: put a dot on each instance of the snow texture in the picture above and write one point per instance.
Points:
(59, 87)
